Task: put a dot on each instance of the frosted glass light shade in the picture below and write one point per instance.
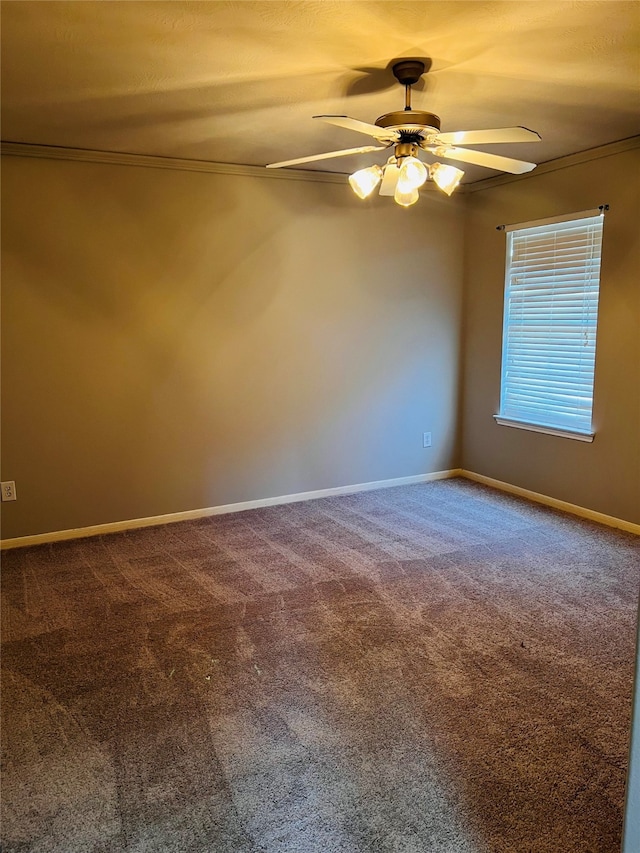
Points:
(406, 198)
(413, 174)
(445, 177)
(364, 182)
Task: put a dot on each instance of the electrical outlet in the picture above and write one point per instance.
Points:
(426, 439)
(8, 490)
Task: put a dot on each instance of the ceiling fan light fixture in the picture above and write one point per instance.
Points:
(405, 198)
(445, 177)
(413, 174)
(364, 181)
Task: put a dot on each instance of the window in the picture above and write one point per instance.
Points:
(550, 318)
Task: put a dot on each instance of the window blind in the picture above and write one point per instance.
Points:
(550, 318)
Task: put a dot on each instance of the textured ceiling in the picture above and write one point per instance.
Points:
(238, 82)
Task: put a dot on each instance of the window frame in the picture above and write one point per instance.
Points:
(589, 278)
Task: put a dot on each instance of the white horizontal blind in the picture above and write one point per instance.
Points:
(550, 318)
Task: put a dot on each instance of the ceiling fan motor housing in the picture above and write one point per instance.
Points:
(413, 125)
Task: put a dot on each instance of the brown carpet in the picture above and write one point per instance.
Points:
(427, 669)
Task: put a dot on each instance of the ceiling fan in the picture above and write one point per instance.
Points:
(410, 130)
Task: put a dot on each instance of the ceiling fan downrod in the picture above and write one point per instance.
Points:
(407, 72)
(411, 123)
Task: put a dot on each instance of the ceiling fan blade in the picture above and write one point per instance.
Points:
(481, 158)
(488, 137)
(326, 156)
(379, 133)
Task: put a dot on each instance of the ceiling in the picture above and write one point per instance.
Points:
(238, 82)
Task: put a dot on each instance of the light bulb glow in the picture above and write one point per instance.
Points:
(413, 174)
(364, 182)
(405, 198)
(445, 177)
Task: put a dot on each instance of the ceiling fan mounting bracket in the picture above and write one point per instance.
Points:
(408, 71)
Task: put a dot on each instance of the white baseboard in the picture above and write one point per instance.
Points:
(574, 509)
(152, 521)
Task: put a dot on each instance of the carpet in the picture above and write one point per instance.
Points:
(437, 668)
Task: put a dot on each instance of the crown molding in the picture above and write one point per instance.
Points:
(114, 158)
(559, 163)
(86, 155)
(152, 161)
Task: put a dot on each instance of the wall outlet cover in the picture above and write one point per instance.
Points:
(8, 488)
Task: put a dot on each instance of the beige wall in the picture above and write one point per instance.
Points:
(603, 476)
(177, 340)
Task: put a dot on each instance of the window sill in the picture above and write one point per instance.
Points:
(563, 433)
